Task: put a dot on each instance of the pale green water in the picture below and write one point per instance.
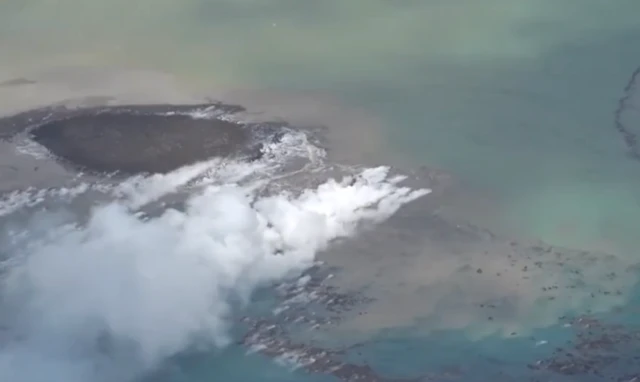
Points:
(516, 97)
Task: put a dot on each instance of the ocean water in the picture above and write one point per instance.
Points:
(523, 112)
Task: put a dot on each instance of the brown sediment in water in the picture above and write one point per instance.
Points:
(423, 267)
(350, 134)
(600, 349)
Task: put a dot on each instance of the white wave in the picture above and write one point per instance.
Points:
(140, 190)
(32, 148)
(207, 112)
(31, 197)
(110, 299)
(293, 144)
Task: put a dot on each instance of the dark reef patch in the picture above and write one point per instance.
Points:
(599, 349)
(627, 107)
(140, 139)
(305, 306)
(272, 340)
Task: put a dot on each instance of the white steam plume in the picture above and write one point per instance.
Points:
(111, 299)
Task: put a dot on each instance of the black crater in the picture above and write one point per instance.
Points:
(142, 139)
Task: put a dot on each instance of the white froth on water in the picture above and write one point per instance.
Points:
(140, 190)
(113, 298)
(32, 148)
(31, 197)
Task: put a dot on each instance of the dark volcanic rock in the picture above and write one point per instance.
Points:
(140, 143)
(135, 139)
(130, 143)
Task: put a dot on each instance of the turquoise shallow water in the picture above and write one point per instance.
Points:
(517, 99)
(234, 364)
(407, 354)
